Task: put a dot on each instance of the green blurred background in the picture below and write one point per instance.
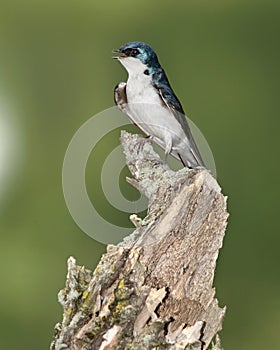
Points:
(56, 71)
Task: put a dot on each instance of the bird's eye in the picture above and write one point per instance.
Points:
(134, 52)
(131, 52)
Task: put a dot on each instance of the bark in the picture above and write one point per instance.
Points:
(154, 290)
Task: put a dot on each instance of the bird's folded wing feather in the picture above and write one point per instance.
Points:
(120, 96)
(171, 101)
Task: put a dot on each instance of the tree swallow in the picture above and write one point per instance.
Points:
(149, 101)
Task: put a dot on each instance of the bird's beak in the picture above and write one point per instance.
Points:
(121, 55)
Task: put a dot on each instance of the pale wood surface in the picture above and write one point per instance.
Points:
(155, 289)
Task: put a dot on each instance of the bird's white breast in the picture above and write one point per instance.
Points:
(139, 85)
(147, 108)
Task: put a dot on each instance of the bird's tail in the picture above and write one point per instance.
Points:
(191, 158)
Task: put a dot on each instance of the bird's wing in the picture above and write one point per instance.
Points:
(172, 103)
(120, 96)
(169, 99)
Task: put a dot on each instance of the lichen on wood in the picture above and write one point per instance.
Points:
(154, 290)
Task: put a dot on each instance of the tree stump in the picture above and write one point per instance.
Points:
(154, 289)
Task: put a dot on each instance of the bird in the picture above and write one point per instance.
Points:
(151, 104)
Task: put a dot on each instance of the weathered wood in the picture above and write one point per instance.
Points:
(154, 290)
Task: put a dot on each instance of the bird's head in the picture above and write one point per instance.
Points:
(136, 57)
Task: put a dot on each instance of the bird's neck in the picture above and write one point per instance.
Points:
(136, 68)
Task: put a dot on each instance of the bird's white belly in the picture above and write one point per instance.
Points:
(150, 114)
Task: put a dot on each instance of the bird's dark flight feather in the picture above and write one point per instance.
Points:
(171, 101)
